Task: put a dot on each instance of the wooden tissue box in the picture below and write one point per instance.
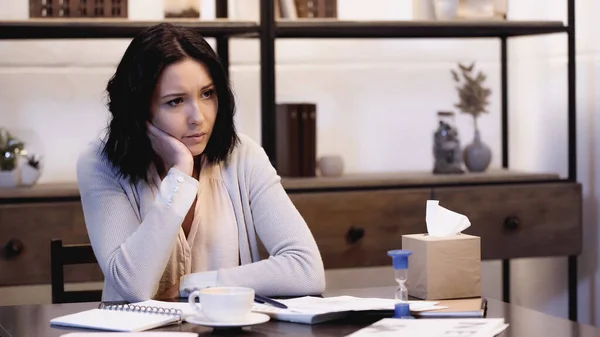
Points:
(443, 267)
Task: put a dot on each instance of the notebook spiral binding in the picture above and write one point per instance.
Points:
(143, 309)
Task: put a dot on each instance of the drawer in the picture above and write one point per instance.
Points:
(354, 229)
(520, 220)
(33, 225)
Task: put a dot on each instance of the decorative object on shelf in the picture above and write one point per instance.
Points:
(313, 8)
(446, 146)
(296, 139)
(331, 165)
(30, 170)
(10, 150)
(294, 9)
(477, 155)
(482, 9)
(473, 99)
(501, 9)
(183, 8)
(445, 9)
(423, 10)
(20, 158)
(31, 156)
(77, 9)
(10, 178)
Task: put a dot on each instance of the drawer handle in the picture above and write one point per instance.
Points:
(355, 234)
(511, 223)
(13, 248)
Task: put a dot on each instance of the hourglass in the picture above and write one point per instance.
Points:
(400, 263)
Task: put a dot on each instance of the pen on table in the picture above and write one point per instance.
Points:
(263, 299)
(257, 298)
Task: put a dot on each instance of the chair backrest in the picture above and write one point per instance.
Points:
(61, 255)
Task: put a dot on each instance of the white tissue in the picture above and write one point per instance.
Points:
(442, 221)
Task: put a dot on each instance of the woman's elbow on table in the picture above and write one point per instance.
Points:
(315, 279)
(131, 288)
(318, 284)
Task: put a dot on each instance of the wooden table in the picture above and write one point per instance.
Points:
(34, 320)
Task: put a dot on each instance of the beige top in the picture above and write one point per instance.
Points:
(212, 242)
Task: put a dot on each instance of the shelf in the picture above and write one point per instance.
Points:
(413, 180)
(316, 28)
(115, 28)
(68, 190)
(301, 28)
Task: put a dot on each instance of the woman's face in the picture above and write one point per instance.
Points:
(185, 104)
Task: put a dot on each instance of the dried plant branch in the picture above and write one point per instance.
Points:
(473, 96)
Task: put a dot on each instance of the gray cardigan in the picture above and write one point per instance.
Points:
(133, 250)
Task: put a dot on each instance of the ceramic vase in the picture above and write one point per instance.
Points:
(29, 175)
(477, 155)
(445, 9)
(331, 166)
(9, 178)
(477, 9)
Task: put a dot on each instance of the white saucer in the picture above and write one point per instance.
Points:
(252, 319)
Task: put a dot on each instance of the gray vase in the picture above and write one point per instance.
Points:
(477, 155)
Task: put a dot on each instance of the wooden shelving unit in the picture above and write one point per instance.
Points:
(269, 29)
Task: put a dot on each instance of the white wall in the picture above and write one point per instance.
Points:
(538, 119)
(381, 102)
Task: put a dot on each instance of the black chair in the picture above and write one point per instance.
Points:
(61, 255)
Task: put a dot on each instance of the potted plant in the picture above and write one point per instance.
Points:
(473, 100)
(10, 149)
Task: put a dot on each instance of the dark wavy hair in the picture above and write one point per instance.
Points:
(130, 91)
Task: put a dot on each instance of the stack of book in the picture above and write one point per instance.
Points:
(296, 139)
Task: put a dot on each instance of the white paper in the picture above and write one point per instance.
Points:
(473, 327)
(317, 305)
(132, 334)
(442, 221)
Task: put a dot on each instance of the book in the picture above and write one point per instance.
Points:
(288, 9)
(472, 327)
(287, 140)
(296, 139)
(316, 8)
(134, 317)
(308, 144)
(461, 308)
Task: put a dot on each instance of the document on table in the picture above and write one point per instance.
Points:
(472, 327)
(312, 310)
(132, 334)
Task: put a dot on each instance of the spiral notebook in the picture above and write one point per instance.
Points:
(127, 317)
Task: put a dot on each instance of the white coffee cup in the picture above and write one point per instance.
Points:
(223, 304)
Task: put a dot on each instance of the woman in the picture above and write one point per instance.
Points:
(173, 198)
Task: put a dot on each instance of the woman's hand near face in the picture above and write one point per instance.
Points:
(171, 150)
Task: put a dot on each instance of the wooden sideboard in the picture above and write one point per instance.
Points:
(355, 219)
